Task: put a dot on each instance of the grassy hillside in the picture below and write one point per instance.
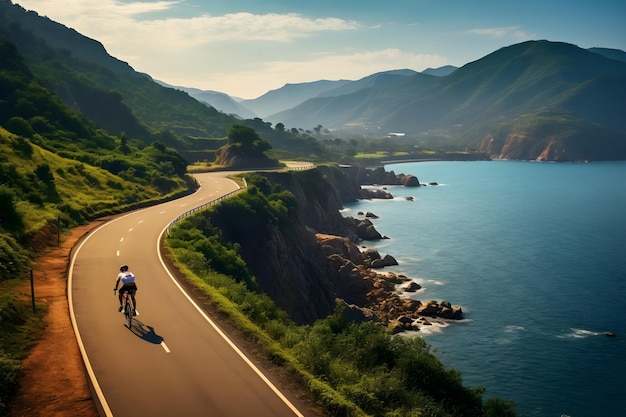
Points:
(58, 169)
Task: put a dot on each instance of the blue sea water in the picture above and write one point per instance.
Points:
(535, 254)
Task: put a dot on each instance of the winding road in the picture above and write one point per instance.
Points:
(174, 361)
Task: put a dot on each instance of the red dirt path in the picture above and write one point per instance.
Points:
(54, 380)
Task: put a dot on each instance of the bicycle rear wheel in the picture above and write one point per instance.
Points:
(128, 311)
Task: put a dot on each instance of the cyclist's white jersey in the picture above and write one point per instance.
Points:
(126, 277)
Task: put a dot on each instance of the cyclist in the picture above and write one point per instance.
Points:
(128, 285)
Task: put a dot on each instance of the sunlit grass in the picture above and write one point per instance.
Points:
(379, 154)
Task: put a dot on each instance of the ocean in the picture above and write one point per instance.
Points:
(535, 254)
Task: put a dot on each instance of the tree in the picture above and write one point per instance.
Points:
(44, 173)
(280, 127)
(242, 136)
(247, 140)
(9, 217)
(19, 126)
(124, 143)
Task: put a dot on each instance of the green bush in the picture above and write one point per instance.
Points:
(9, 374)
(14, 259)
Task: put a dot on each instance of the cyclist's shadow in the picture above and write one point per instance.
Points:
(146, 332)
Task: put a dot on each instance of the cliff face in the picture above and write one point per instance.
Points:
(310, 261)
(290, 265)
(560, 145)
(228, 156)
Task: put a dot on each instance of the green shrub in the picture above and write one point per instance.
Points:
(14, 259)
(10, 219)
(9, 374)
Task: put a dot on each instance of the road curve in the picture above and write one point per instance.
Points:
(174, 361)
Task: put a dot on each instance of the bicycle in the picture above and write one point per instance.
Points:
(128, 308)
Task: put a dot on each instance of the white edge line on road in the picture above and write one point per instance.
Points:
(92, 376)
(223, 335)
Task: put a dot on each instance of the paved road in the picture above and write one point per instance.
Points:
(174, 361)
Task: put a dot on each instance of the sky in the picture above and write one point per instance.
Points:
(246, 48)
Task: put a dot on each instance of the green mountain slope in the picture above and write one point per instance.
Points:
(105, 89)
(537, 77)
(56, 164)
(120, 100)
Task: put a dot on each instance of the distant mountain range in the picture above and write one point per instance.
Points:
(502, 103)
(220, 101)
(533, 100)
(291, 95)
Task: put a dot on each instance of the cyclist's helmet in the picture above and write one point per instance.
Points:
(123, 268)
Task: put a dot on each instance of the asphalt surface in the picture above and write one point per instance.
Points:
(174, 361)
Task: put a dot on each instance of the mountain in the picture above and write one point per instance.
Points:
(291, 95)
(615, 54)
(524, 91)
(288, 96)
(105, 89)
(441, 71)
(124, 102)
(533, 100)
(220, 101)
(58, 165)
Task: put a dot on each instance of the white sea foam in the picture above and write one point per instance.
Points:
(410, 259)
(511, 333)
(579, 334)
(435, 282)
(514, 329)
(436, 327)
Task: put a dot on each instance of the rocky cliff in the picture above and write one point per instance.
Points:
(315, 260)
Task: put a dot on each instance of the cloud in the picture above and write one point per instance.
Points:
(71, 10)
(502, 32)
(121, 26)
(243, 54)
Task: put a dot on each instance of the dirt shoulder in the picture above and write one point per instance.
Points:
(54, 380)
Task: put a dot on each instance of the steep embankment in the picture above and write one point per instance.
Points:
(307, 263)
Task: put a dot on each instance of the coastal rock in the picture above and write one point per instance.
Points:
(378, 176)
(332, 244)
(444, 309)
(409, 180)
(374, 193)
(372, 258)
(428, 308)
(394, 278)
(412, 287)
(365, 230)
(355, 314)
(389, 260)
